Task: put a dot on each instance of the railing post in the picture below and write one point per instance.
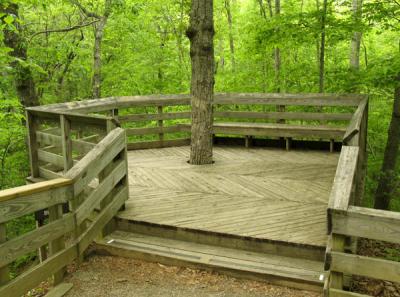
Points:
(336, 278)
(4, 271)
(55, 213)
(160, 123)
(66, 142)
(32, 126)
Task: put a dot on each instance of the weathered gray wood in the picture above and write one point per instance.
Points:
(47, 173)
(311, 116)
(81, 145)
(56, 245)
(160, 123)
(154, 117)
(66, 143)
(96, 160)
(336, 278)
(52, 158)
(343, 183)
(276, 130)
(289, 99)
(34, 276)
(153, 130)
(103, 218)
(367, 223)
(32, 127)
(341, 293)
(26, 203)
(102, 190)
(32, 240)
(366, 266)
(4, 271)
(60, 290)
(158, 144)
(355, 123)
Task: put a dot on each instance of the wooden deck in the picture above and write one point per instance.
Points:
(258, 192)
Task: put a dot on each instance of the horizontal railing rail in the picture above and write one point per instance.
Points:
(95, 188)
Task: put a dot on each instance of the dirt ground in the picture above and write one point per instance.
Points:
(102, 276)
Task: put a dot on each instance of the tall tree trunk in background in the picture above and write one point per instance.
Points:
(98, 39)
(201, 35)
(356, 40)
(231, 41)
(386, 183)
(322, 48)
(277, 56)
(24, 83)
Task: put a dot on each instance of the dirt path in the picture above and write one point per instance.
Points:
(120, 277)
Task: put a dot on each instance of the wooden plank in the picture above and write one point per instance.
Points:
(66, 143)
(289, 99)
(310, 116)
(60, 290)
(58, 244)
(81, 145)
(34, 239)
(97, 159)
(154, 116)
(102, 190)
(366, 266)
(153, 130)
(32, 126)
(29, 203)
(52, 158)
(4, 270)
(103, 218)
(341, 293)
(34, 276)
(158, 144)
(49, 173)
(344, 178)
(355, 123)
(160, 123)
(31, 189)
(367, 223)
(277, 130)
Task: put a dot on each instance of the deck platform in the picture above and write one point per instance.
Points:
(262, 193)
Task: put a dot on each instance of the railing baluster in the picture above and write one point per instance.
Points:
(4, 271)
(55, 213)
(32, 126)
(66, 142)
(160, 123)
(336, 278)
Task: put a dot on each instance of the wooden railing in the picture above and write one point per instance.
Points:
(347, 221)
(162, 121)
(96, 187)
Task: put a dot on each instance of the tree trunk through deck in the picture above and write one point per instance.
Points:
(386, 184)
(24, 83)
(201, 35)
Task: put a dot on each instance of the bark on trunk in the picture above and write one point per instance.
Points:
(24, 82)
(356, 40)
(386, 183)
(98, 39)
(322, 49)
(231, 41)
(201, 34)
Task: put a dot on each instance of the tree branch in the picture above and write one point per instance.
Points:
(84, 10)
(64, 29)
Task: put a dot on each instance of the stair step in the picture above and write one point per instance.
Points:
(270, 267)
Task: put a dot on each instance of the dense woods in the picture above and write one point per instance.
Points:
(56, 51)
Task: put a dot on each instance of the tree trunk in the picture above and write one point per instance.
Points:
(356, 40)
(24, 83)
(277, 54)
(231, 41)
(201, 34)
(98, 38)
(322, 49)
(386, 183)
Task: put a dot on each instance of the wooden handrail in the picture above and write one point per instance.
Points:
(356, 121)
(27, 190)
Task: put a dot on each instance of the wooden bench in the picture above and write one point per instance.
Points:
(287, 131)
